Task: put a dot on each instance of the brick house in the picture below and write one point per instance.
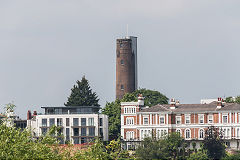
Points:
(190, 120)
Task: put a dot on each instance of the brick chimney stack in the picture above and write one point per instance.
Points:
(219, 103)
(29, 115)
(172, 104)
(34, 113)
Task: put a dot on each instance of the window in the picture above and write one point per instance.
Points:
(130, 135)
(67, 121)
(130, 121)
(44, 131)
(178, 120)
(145, 120)
(162, 120)
(51, 122)
(83, 131)
(210, 119)
(228, 133)
(90, 121)
(187, 119)
(122, 62)
(101, 132)
(58, 111)
(187, 134)
(76, 140)
(75, 122)
(179, 131)
(122, 87)
(225, 119)
(44, 122)
(237, 134)
(121, 45)
(83, 121)
(201, 133)
(67, 134)
(75, 131)
(100, 122)
(59, 121)
(91, 131)
(201, 119)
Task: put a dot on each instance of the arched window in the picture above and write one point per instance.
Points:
(187, 133)
(179, 131)
(201, 133)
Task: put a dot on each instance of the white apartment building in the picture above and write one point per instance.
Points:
(78, 124)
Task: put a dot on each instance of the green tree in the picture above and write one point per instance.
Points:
(198, 156)
(17, 144)
(82, 95)
(151, 97)
(151, 148)
(165, 148)
(174, 142)
(233, 100)
(213, 143)
(113, 109)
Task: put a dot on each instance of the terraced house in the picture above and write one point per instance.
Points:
(190, 120)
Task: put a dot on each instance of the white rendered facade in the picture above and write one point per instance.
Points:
(76, 128)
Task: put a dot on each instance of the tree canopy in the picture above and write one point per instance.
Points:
(213, 143)
(82, 95)
(233, 100)
(151, 97)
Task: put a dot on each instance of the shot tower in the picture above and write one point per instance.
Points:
(126, 66)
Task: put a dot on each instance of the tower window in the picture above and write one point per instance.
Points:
(121, 45)
(122, 62)
(122, 87)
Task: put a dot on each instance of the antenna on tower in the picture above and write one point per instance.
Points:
(127, 30)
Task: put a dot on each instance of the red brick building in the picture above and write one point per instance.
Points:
(190, 120)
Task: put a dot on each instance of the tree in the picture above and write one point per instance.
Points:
(165, 148)
(174, 142)
(213, 143)
(113, 109)
(17, 144)
(151, 148)
(233, 100)
(198, 156)
(82, 95)
(151, 97)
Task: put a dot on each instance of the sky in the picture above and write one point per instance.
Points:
(187, 50)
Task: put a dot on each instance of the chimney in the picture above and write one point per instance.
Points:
(34, 113)
(29, 115)
(140, 100)
(219, 103)
(172, 104)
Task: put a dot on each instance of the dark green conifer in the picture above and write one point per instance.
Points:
(82, 95)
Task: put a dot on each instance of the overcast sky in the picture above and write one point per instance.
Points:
(188, 50)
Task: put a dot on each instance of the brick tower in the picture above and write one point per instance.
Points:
(126, 66)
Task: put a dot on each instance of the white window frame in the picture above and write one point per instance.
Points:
(210, 115)
(179, 131)
(129, 109)
(224, 115)
(201, 137)
(130, 135)
(199, 119)
(160, 120)
(180, 118)
(186, 119)
(144, 120)
(130, 120)
(237, 134)
(186, 133)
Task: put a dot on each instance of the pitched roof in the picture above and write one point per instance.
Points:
(212, 107)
